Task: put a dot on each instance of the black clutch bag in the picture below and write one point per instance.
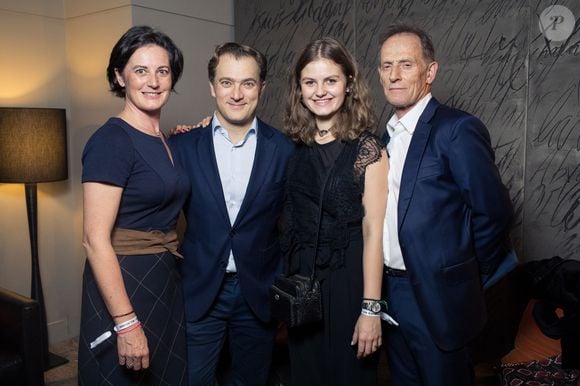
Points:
(296, 300)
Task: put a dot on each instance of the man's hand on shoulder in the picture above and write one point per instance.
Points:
(180, 129)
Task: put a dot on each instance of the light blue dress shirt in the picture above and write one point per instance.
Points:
(235, 162)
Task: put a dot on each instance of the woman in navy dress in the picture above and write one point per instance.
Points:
(132, 330)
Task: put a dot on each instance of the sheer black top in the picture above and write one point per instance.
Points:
(342, 165)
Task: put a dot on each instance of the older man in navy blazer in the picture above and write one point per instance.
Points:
(237, 169)
(447, 222)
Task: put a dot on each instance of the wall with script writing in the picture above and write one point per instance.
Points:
(514, 64)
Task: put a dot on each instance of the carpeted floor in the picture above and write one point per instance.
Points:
(65, 375)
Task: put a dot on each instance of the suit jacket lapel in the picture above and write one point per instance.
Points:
(413, 159)
(265, 150)
(207, 164)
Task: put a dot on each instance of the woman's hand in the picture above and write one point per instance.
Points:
(133, 350)
(367, 333)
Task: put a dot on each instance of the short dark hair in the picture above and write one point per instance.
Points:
(237, 51)
(426, 42)
(135, 38)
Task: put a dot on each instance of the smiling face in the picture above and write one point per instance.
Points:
(237, 89)
(147, 79)
(323, 85)
(404, 73)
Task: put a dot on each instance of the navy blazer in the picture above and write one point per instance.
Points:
(454, 218)
(209, 236)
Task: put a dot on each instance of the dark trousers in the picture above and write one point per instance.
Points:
(414, 359)
(250, 341)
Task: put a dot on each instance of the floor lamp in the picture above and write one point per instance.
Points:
(33, 149)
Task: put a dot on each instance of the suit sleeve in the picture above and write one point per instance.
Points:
(472, 164)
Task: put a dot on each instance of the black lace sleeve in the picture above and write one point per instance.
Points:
(369, 152)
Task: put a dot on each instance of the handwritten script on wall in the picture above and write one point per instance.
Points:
(496, 61)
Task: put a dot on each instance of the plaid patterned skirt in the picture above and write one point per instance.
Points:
(153, 284)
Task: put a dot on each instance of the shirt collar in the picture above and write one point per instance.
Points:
(410, 119)
(218, 128)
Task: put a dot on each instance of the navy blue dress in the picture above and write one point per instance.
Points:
(153, 193)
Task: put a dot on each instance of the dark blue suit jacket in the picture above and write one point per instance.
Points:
(454, 217)
(209, 236)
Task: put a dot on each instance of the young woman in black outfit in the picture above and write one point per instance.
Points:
(329, 115)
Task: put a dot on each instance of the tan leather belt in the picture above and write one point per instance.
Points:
(132, 242)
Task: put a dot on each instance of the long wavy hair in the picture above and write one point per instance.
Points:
(356, 114)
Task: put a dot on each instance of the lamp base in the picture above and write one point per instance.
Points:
(55, 360)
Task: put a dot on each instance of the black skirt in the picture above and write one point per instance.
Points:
(321, 353)
(154, 287)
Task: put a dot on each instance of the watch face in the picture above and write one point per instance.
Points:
(372, 306)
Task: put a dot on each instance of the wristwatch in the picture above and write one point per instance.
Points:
(373, 306)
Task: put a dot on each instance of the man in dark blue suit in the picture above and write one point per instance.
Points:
(447, 222)
(237, 169)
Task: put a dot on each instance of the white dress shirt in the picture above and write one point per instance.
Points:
(401, 132)
(235, 162)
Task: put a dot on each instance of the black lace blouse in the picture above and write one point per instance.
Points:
(342, 210)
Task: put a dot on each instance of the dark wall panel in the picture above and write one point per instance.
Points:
(552, 184)
(494, 62)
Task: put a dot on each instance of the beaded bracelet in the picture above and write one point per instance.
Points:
(126, 324)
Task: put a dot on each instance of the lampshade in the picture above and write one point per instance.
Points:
(32, 145)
